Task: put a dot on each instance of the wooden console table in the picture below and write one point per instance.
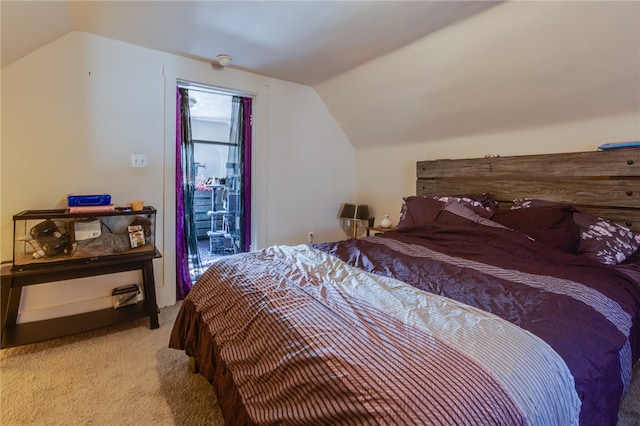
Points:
(25, 333)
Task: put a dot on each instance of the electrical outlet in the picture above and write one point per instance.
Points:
(310, 237)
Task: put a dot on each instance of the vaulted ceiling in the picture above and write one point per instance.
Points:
(304, 42)
(391, 72)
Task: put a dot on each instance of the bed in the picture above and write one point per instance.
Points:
(510, 294)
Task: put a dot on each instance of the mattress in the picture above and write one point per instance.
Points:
(446, 323)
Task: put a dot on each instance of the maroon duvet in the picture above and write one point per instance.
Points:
(599, 352)
(588, 313)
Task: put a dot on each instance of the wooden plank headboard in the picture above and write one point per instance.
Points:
(604, 183)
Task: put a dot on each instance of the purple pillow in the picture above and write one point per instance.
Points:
(417, 211)
(552, 225)
(600, 239)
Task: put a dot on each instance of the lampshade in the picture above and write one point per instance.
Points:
(354, 211)
(353, 218)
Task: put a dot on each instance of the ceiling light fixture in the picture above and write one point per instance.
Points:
(223, 60)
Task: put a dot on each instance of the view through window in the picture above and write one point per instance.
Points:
(217, 198)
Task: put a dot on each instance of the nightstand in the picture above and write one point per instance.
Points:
(373, 230)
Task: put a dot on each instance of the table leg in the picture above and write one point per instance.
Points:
(150, 294)
(10, 305)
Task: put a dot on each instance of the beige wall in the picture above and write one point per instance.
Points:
(386, 174)
(75, 110)
(517, 66)
(519, 78)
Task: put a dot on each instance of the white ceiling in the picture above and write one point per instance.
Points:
(390, 72)
(305, 42)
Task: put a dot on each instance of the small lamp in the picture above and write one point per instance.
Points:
(353, 218)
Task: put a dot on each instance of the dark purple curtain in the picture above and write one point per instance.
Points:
(246, 173)
(239, 161)
(183, 281)
(188, 265)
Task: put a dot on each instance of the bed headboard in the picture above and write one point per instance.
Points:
(604, 183)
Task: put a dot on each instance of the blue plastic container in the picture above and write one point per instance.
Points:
(74, 200)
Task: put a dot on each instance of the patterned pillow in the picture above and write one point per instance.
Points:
(600, 239)
(483, 204)
(419, 210)
(454, 213)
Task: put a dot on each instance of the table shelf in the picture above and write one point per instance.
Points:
(14, 334)
(37, 331)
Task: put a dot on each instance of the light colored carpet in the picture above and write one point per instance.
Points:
(629, 414)
(126, 375)
(122, 375)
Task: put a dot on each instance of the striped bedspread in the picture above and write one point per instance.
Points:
(312, 340)
(588, 313)
(435, 326)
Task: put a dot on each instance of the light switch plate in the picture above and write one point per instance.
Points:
(138, 160)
